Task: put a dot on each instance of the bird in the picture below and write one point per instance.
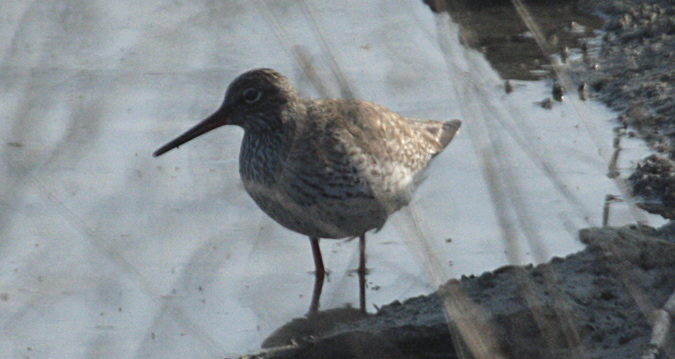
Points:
(324, 168)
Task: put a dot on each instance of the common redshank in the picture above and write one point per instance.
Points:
(328, 168)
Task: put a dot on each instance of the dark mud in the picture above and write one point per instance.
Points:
(635, 71)
(653, 183)
(593, 304)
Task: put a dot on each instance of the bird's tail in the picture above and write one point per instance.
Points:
(448, 131)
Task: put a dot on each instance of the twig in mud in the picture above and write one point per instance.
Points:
(613, 171)
(605, 208)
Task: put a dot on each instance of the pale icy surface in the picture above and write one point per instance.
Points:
(107, 252)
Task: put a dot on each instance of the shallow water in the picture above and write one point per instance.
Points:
(108, 252)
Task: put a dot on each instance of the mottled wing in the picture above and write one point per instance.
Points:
(384, 150)
(387, 137)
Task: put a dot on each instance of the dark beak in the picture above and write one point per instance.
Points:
(220, 118)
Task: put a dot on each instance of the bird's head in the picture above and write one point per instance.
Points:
(254, 101)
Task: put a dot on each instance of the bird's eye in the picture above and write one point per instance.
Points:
(251, 95)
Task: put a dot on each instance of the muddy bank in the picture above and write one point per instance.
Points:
(635, 75)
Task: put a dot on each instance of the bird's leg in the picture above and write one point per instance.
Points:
(319, 275)
(362, 272)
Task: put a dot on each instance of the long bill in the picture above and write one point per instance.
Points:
(219, 118)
